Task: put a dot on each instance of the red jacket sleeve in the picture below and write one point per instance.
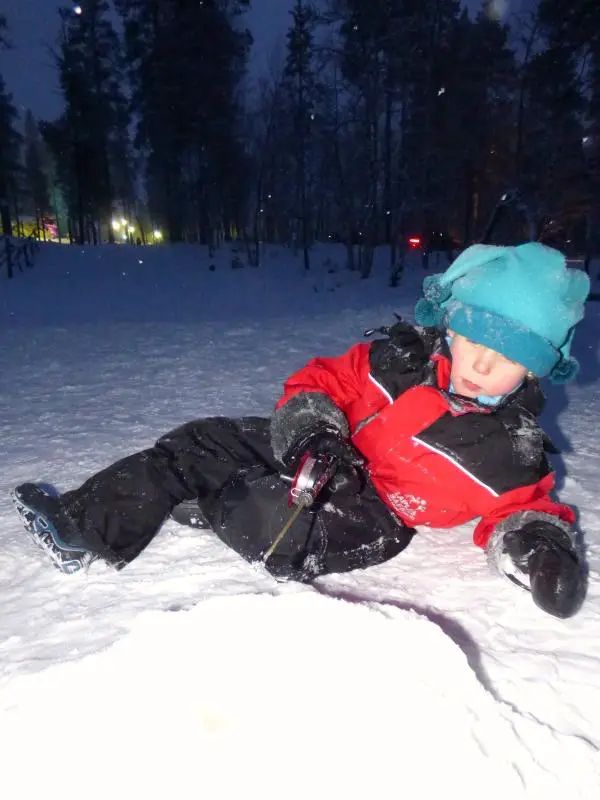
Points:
(341, 378)
(527, 498)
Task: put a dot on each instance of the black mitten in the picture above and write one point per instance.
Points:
(545, 553)
(323, 440)
(348, 475)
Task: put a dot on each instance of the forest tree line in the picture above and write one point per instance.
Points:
(386, 117)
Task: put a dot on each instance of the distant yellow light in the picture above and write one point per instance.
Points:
(157, 235)
(116, 224)
(123, 221)
(130, 229)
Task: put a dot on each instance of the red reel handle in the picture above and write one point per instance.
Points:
(312, 475)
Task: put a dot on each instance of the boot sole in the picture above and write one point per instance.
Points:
(46, 542)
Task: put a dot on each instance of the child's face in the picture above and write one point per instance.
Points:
(477, 370)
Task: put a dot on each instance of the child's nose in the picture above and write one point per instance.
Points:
(484, 362)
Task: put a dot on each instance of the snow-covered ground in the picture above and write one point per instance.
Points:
(191, 674)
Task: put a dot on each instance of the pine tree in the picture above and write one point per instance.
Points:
(57, 140)
(90, 73)
(301, 90)
(4, 41)
(360, 59)
(553, 157)
(185, 62)
(389, 56)
(576, 25)
(35, 172)
(10, 142)
(474, 122)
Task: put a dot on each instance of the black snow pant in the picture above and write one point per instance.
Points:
(228, 466)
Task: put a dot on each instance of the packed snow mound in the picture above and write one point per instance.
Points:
(293, 695)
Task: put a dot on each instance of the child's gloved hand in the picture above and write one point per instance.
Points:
(347, 460)
(348, 476)
(545, 553)
(326, 441)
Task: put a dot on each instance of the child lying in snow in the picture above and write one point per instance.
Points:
(433, 425)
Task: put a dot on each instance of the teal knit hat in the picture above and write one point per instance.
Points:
(523, 302)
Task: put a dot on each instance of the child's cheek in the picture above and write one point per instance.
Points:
(505, 382)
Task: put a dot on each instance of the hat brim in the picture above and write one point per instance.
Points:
(503, 335)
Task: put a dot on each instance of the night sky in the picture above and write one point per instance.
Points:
(30, 76)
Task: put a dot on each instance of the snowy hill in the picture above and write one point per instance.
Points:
(192, 674)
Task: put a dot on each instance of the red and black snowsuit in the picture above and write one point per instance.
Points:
(432, 458)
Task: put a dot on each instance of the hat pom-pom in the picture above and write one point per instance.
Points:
(564, 371)
(434, 290)
(428, 311)
(427, 314)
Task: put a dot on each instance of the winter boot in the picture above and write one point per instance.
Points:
(51, 529)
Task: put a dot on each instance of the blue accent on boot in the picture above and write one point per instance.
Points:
(66, 558)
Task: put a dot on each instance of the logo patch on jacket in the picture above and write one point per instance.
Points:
(407, 505)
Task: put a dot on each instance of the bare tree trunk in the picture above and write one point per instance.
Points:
(588, 241)
(103, 144)
(367, 257)
(387, 166)
(142, 231)
(372, 195)
(18, 216)
(80, 215)
(5, 212)
(520, 126)
(350, 261)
